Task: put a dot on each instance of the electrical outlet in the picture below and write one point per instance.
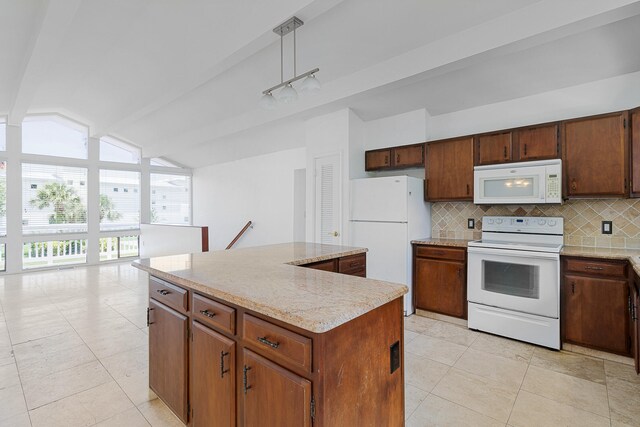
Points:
(607, 227)
(471, 223)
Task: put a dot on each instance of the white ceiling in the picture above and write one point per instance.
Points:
(172, 76)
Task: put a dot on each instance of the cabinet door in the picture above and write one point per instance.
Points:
(168, 356)
(538, 143)
(493, 148)
(377, 159)
(596, 156)
(635, 321)
(440, 286)
(213, 378)
(411, 155)
(635, 153)
(595, 313)
(273, 396)
(449, 170)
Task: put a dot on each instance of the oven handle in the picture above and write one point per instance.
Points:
(513, 253)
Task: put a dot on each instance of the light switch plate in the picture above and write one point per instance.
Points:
(607, 227)
(471, 223)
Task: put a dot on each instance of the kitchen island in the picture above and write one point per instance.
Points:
(251, 337)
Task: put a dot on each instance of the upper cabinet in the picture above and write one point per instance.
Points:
(518, 145)
(406, 156)
(538, 143)
(494, 148)
(596, 157)
(635, 153)
(449, 170)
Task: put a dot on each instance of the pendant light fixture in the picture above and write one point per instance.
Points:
(288, 93)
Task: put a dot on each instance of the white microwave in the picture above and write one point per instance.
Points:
(518, 183)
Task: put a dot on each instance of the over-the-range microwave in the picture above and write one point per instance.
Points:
(534, 182)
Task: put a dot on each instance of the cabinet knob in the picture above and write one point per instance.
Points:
(574, 186)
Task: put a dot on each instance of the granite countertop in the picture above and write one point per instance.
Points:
(266, 279)
(631, 255)
(462, 243)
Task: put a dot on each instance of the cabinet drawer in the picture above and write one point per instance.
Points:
(353, 264)
(440, 252)
(596, 267)
(214, 314)
(170, 294)
(277, 341)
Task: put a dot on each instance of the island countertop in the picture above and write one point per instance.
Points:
(267, 280)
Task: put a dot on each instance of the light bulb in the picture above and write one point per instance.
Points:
(287, 94)
(268, 102)
(310, 85)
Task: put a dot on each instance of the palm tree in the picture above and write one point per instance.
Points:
(67, 206)
(107, 209)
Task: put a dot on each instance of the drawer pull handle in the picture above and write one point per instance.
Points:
(245, 382)
(162, 292)
(353, 264)
(588, 267)
(271, 344)
(207, 313)
(222, 370)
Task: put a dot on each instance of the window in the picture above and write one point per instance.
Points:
(175, 193)
(54, 136)
(49, 203)
(114, 150)
(119, 210)
(3, 136)
(3, 199)
(159, 161)
(119, 247)
(54, 253)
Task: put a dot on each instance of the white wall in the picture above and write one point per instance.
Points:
(260, 189)
(602, 96)
(161, 240)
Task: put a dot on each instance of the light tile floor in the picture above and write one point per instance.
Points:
(73, 352)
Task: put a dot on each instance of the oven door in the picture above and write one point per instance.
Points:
(523, 281)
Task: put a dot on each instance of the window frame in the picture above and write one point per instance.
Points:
(178, 172)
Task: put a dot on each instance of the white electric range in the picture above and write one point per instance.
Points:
(513, 280)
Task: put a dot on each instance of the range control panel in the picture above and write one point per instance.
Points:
(523, 224)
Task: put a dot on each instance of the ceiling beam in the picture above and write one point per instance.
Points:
(51, 25)
(259, 39)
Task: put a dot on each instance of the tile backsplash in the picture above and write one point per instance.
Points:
(582, 220)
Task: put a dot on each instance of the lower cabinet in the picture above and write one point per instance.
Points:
(634, 306)
(440, 280)
(272, 395)
(213, 378)
(594, 304)
(353, 265)
(168, 358)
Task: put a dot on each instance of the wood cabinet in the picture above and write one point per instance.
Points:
(594, 304)
(401, 157)
(377, 159)
(439, 281)
(635, 152)
(272, 395)
(215, 363)
(537, 143)
(634, 306)
(353, 265)
(212, 378)
(168, 356)
(596, 156)
(494, 148)
(449, 170)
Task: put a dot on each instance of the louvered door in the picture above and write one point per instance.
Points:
(328, 220)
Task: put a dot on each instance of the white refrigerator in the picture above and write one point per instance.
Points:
(386, 214)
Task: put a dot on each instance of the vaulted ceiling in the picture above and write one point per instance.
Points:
(171, 75)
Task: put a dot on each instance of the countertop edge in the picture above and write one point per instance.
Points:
(434, 241)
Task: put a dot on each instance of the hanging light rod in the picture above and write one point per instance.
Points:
(288, 93)
(294, 79)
